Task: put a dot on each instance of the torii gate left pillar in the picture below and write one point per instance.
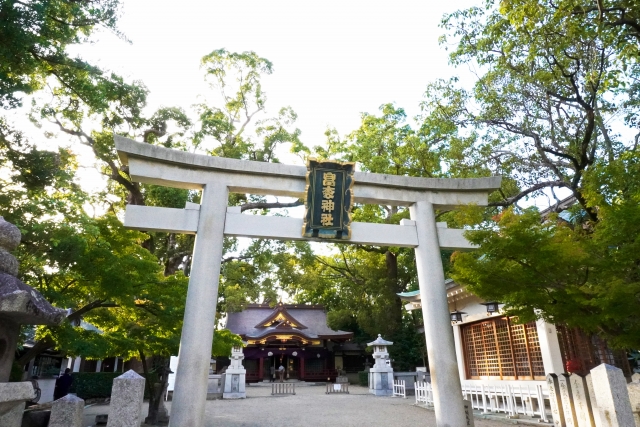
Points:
(200, 309)
(212, 220)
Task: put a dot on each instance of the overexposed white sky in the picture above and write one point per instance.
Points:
(333, 60)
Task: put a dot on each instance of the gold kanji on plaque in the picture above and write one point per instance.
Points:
(328, 192)
(329, 179)
(326, 219)
(329, 198)
(328, 206)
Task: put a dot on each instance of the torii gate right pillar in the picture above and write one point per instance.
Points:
(447, 391)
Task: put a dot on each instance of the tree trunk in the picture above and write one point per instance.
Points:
(38, 348)
(153, 402)
(395, 318)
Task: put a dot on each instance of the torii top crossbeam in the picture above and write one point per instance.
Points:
(172, 168)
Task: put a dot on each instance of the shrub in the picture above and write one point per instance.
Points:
(88, 385)
(363, 378)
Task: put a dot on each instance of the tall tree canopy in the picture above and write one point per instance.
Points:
(35, 36)
(554, 109)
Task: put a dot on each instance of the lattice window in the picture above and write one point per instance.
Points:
(313, 365)
(499, 349)
(251, 365)
(588, 351)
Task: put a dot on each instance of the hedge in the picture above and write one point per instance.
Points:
(88, 385)
(363, 378)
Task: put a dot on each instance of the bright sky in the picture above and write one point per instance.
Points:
(332, 59)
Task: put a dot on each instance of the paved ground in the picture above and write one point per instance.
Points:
(310, 407)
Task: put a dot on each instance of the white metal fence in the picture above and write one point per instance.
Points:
(424, 393)
(337, 388)
(399, 388)
(283, 388)
(511, 399)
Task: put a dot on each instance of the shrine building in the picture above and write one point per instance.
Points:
(492, 347)
(294, 336)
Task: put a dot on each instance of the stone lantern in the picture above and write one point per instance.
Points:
(20, 304)
(235, 375)
(381, 375)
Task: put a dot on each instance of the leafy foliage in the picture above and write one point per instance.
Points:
(567, 271)
(35, 35)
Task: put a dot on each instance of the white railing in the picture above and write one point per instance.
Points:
(283, 388)
(399, 388)
(511, 399)
(424, 393)
(337, 388)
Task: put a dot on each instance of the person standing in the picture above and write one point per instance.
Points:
(281, 373)
(63, 384)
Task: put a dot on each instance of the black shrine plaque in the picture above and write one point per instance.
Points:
(329, 200)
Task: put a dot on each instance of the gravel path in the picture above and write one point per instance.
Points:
(310, 407)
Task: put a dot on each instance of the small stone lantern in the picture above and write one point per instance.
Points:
(381, 375)
(235, 375)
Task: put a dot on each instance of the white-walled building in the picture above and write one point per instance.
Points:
(491, 347)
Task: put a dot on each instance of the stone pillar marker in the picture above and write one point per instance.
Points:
(381, 375)
(557, 412)
(126, 400)
(468, 413)
(566, 396)
(67, 412)
(582, 401)
(235, 376)
(445, 377)
(634, 396)
(610, 387)
(592, 398)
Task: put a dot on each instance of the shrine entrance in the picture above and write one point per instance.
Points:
(212, 219)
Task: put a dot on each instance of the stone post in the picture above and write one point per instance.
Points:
(581, 401)
(610, 387)
(127, 393)
(235, 378)
(190, 392)
(592, 398)
(566, 396)
(468, 413)
(445, 377)
(67, 412)
(634, 396)
(549, 347)
(381, 375)
(554, 399)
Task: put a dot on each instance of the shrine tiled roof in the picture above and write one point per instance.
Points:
(260, 320)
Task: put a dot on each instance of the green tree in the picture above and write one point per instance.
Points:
(34, 37)
(549, 89)
(567, 269)
(553, 106)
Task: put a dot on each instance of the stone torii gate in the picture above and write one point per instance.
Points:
(213, 219)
